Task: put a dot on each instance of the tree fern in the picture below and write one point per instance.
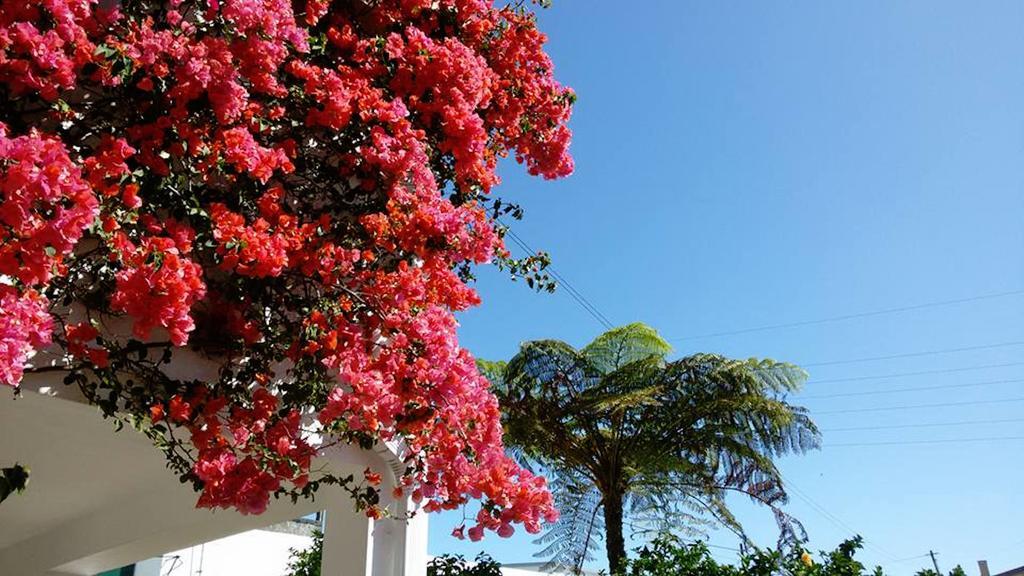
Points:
(576, 537)
(634, 439)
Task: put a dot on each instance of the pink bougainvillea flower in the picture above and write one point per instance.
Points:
(294, 190)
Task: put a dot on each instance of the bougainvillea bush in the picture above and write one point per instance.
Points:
(294, 190)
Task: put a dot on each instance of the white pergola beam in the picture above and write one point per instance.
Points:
(98, 500)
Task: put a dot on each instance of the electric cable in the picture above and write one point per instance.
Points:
(915, 354)
(918, 406)
(919, 442)
(844, 317)
(918, 373)
(911, 389)
(576, 295)
(832, 517)
(923, 425)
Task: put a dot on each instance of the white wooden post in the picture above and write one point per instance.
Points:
(357, 546)
(348, 542)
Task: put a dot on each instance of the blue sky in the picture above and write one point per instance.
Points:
(742, 164)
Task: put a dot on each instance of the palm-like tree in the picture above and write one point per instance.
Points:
(631, 439)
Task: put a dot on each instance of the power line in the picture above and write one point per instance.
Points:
(918, 373)
(722, 547)
(573, 292)
(917, 442)
(919, 406)
(596, 313)
(854, 316)
(909, 558)
(710, 545)
(831, 517)
(913, 389)
(1013, 545)
(923, 425)
(915, 354)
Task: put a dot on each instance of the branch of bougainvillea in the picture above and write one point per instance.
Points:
(46, 369)
(306, 281)
(499, 208)
(73, 366)
(185, 453)
(531, 267)
(368, 6)
(351, 144)
(13, 479)
(187, 8)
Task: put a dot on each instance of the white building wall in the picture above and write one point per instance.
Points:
(252, 553)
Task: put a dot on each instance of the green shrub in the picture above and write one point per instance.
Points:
(306, 562)
(454, 565)
(664, 556)
(668, 556)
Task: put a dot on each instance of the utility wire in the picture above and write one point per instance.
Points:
(919, 406)
(722, 547)
(915, 354)
(908, 559)
(831, 517)
(923, 425)
(1013, 545)
(854, 316)
(596, 313)
(917, 442)
(709, 545)
(573, 292)
(913, 389)
(918, 373)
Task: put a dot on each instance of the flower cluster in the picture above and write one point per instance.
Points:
(25, 326)
(46, 207)
(45, 45)
(260, 249)
(157, 286)
(295, 190)
(242, 456)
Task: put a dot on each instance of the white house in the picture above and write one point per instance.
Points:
(262, 552)
(99, 500)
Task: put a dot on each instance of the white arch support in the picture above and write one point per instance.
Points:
(384, 547)
(99, 499)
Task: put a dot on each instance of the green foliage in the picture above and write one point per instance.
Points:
(13, 479)
(306, 562)
(629, 437)
(956, 571)
(839, 562)
(667, 556)
(454, 565)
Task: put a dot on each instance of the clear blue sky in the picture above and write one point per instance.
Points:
(742, 164)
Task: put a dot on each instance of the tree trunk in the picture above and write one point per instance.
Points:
(615, 544)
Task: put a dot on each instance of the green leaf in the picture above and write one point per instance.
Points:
(620, 346)
(670, 439)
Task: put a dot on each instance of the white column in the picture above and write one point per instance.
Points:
(348, 542)
(357, 546)
(400, 545)
(416, 545)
